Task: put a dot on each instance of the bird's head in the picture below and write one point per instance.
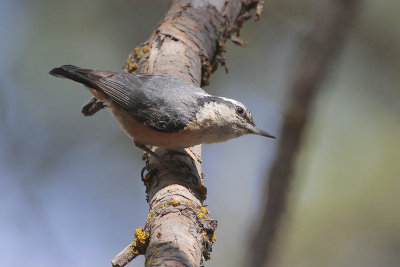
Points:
(229, 117)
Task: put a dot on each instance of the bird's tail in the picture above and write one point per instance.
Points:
(83, 76)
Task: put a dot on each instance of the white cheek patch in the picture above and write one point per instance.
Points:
(217, 113)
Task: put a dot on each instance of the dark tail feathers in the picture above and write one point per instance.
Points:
(83, 76)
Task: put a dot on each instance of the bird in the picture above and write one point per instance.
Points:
(158, 110)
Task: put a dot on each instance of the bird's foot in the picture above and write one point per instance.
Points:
(167, 163)
(92, 106)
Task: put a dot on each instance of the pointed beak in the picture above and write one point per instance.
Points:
(255, 130)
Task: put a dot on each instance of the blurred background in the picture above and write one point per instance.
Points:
(70, 189)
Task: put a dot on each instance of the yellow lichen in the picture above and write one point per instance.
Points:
(202, 212)
(155, 251)
(141, 236)
(145, 49)
(152, 259)
(173, 202)
(133, 66)
(151, 262)
(137, 50)
(213, 239)
(133, 247)
(149, 216)
(205, 210)
(138, 246)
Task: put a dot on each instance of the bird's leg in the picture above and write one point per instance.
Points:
(92, 106)
(152, 153)
(170, 165)
(149, 167)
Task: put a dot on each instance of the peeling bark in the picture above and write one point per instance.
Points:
(188, 44)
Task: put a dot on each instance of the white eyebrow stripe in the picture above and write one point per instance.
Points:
(232, 101)
(202, 94)
(224, 98)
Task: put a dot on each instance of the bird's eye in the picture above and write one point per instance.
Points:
(239, 110)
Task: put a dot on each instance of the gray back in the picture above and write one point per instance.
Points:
(163, 103)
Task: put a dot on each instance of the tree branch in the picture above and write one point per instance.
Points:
(188, 44)
(322, 46)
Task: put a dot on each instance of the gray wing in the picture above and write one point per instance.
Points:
(163, 103)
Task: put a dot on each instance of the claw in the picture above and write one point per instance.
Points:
(92, 106)
(151, 171)
(170, 165)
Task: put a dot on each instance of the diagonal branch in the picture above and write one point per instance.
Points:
(188, 44)
(322, 46)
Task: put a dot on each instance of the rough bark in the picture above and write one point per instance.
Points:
(188, 44)
(321, 47)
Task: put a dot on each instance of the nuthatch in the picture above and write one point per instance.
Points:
(164, 111)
